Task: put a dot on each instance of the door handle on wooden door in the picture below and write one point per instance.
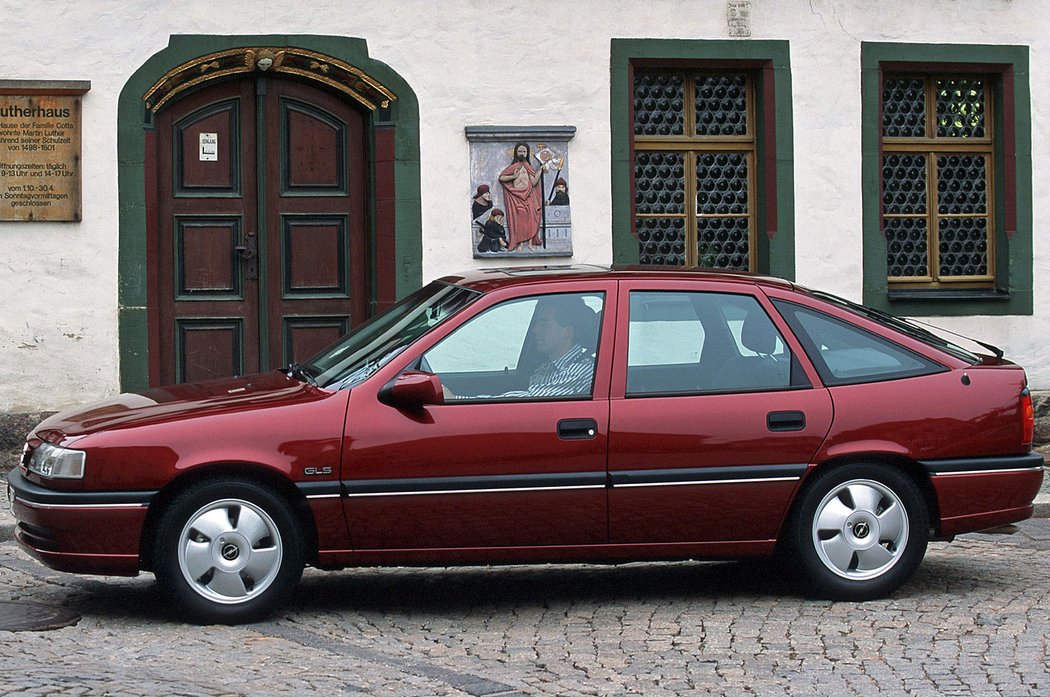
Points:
(249, 253)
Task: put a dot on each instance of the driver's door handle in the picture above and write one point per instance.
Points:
(577, 429)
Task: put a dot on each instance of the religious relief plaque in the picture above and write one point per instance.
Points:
(520, 184)
(40, 174)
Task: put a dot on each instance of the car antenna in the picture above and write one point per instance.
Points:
(991, 347)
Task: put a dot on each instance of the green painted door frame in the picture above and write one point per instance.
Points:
(399, 155)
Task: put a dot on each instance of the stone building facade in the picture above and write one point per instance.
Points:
(257, 179)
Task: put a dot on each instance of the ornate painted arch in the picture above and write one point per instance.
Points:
(340, 63)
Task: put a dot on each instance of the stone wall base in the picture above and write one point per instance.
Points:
(1041, 402)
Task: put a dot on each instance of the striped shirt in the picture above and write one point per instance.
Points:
(570, 375)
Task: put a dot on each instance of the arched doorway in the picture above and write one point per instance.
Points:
(279, 203)
(262, 255)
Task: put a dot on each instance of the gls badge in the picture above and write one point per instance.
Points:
(316, 471)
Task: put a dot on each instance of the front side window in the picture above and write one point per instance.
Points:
(694, 168)
(539, 347)
(937, 163)
(687, 343)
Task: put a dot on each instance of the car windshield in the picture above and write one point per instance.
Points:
(908, 327)
(362, 352)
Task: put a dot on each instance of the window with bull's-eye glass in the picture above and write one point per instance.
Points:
(937, 164)
(694, 168)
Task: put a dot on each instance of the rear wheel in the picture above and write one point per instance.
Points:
(859, 532)
(228, 551)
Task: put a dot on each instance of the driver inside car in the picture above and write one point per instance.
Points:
(565, 331)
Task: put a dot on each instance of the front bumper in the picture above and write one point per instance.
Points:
(79, 532)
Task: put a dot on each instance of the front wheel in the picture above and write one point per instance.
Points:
(228, 552)
(859, 532)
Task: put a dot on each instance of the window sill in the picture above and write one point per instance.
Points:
(956, 295)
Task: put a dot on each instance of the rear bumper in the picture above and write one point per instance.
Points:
(979, 493)
(79, 532)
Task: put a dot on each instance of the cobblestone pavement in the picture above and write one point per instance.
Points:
(975, 620)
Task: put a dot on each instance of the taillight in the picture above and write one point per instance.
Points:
(1028, 418)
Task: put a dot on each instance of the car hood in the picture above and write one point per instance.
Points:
(179, 402)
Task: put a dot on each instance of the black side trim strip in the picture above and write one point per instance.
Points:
(417, 485)
(1029, 460)
(315, 489)
(706, 474)
(35, 494)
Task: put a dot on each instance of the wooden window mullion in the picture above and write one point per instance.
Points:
(933, 231)
(690, 208)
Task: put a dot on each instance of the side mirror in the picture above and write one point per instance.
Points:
(412, 390)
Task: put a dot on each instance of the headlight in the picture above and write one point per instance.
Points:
(54, 462)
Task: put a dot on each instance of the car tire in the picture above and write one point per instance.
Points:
(228, 552)
(859, 532)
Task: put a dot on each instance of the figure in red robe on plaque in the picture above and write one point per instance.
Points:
(522, 199)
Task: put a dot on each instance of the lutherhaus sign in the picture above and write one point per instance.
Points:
(40, 127)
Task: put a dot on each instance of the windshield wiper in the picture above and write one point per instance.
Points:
(297, 371)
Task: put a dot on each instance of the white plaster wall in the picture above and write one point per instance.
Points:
(474, 63)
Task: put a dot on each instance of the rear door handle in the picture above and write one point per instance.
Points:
(577, 429)
(786, 421)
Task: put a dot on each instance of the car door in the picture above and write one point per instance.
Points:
(494, 466)
(714, 416)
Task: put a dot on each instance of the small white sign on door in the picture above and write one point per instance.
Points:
(209, 150)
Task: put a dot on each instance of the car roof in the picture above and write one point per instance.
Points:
(485, 280)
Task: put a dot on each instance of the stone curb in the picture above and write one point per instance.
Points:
(7, 521)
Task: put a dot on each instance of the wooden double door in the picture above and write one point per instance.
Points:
(261, 254)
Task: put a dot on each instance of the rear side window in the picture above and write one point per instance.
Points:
(691, 343)
(845, 354)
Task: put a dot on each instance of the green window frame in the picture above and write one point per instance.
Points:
(767, 144)
(707, 155)
(1000, 283)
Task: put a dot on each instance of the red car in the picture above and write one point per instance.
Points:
(548, 415)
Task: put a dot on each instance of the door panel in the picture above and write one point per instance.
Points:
(318, 284)
(207, 313)
(197, 176)
(261, 252)
(315, 256)
(315, 144)
(490, 469)
(713, 424)
(209, 347)
(307, 336)
(204, 266)
(707, 467)
(446, 481)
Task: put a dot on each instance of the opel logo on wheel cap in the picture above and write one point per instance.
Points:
(230, 552)
(861, 530)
